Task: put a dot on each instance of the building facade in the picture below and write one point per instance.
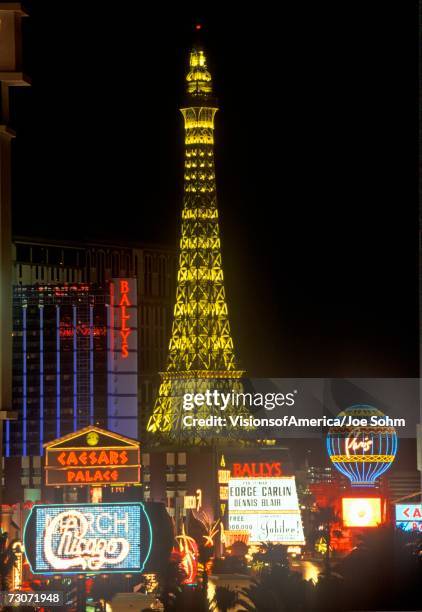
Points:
(64, 380)
(59, 363)
(11, 76)
(45, 262)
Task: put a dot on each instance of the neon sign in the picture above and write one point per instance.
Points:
(88, 538)
(125, 331)
(362, 453)
(361, 512)
(188, 550)
(92, 456)
(256, 470)
(66, 330)
(122, 359)
(409, 517)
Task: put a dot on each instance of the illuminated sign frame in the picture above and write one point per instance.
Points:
(347, 504)
(121, 306)
(283, 518)
(92, 456)
(409, 517)
(78, 520)
(122, 357)
(359, 452)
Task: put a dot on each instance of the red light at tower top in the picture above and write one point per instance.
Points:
(198, 26)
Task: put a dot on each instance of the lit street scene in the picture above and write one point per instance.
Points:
(209, 372)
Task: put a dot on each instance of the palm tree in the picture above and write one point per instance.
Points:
(224, 599)
(324, 519)
(7, 561)
(280, 589)
(272, 555)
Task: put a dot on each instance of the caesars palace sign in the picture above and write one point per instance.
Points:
(92, 456)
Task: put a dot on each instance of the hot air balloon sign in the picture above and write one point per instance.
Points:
(362, 453)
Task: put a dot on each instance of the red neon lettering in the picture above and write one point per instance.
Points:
(125, 317)
(256, 470)
(124, 286)
(125, 335)
(124, 302)
(237, 470)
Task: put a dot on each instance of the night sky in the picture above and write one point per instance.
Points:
(314, 150)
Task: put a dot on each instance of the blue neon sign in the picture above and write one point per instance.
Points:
(88, 538)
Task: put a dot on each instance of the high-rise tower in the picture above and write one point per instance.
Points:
(201, 354)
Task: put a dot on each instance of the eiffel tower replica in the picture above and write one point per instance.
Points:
(201, 354)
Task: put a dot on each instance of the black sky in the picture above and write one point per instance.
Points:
(315, 163)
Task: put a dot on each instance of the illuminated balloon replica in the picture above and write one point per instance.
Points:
(362, 453)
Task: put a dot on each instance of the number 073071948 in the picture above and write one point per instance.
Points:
(31, 598)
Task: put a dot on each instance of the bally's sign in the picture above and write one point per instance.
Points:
(88, 538)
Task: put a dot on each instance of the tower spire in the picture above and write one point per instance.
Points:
(198, 79)
(201, 353)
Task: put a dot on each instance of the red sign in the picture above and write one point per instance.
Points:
(256, 470)
(66, 330)
(90, 456)
(125, 330)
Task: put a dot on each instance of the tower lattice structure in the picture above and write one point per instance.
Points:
(201, 354)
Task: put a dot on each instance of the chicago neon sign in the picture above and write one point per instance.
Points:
(88, 538)
(78, 545)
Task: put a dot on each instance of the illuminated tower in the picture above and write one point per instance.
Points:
(201, 354)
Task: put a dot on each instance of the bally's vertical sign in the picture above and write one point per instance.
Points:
(88, 538)
(122, 351)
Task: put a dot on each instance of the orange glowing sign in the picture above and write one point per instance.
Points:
(256, 470)
(223, 476)
(361, 512)
(92, 456)
(67, 330)
(125, 331)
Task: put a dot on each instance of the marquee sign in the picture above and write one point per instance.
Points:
(268, 509)
(92, 456)
(88, 538)
(361, 512)
(409, 517)
(122, 357)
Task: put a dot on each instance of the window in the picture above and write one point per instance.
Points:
(116, 265)
(23, 252)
